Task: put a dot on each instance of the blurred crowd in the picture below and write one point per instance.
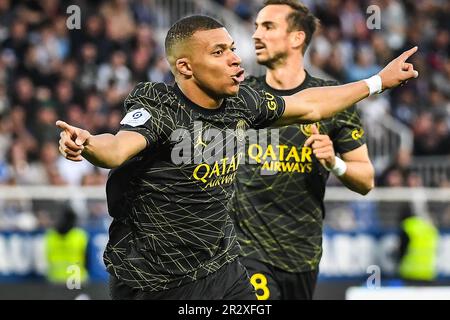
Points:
(50, 72)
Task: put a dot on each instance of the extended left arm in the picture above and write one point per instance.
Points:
(315, 104)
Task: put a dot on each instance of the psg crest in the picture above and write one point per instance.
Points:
(306, 128)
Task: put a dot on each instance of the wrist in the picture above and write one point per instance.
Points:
(87, 147)
(375, 84)
(339, 168)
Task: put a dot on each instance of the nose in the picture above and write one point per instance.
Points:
(235, 60)
(256, 35)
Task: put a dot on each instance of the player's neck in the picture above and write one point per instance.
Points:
(198, 96)
(289, 75)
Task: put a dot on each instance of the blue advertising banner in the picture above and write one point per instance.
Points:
(359, 254)
(22, 256)
(346, 255)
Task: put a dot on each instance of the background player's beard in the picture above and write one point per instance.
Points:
(274, 61)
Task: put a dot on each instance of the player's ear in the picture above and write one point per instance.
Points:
(297, 39)
(184, 67)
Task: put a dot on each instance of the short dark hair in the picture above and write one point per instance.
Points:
(184, 29)
(301, 19)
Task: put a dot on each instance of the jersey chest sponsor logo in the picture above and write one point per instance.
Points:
(219, 173)
(282, 158)
(215, 152)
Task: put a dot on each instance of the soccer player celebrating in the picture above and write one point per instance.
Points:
(172, 236)
(279, 216)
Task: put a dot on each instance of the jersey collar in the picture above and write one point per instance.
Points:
(195, 106)
(289, 92)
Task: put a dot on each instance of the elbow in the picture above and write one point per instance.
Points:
(316, 115)
(109, 166)
(366, 188)
(104, 165)
(116, 163)
(121, 158)
(312, 117)
(368, 184)
(108, 163)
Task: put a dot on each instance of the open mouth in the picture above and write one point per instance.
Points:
(239, 77)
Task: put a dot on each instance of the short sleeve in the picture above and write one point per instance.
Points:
(265, 108)
(146, 116)
(349, 134)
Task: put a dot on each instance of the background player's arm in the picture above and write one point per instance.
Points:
(315, 104)
(105, 150)
(360, 174)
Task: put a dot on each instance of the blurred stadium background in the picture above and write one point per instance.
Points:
(48, 72)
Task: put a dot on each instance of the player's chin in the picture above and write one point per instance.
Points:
(261, 58)
(231, 89)
(234, 89)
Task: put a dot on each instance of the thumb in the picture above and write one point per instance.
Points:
(314, 129)
(82, 138)
(409, 68)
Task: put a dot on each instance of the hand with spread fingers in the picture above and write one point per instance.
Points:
(322, 147)
(72, 141)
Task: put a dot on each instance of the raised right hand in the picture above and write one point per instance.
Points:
(72, 141)
(398, 70)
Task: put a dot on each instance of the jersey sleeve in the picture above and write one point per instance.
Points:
(146, 116)
(349, 134)
(264, 107)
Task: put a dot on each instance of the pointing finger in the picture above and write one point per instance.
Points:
(405, 55)
(66, 127)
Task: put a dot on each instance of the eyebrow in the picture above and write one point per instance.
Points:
(265, 23)
(223, 46)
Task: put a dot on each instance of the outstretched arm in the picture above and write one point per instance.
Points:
(315, 104)
(105, 150)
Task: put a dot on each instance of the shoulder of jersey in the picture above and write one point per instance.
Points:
(148, 94)
(254, 82)
(319, 82)
(149, 89)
